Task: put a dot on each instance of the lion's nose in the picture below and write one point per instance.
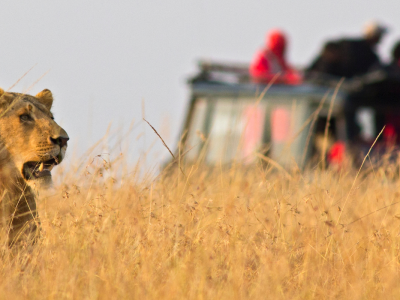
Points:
(61, 140)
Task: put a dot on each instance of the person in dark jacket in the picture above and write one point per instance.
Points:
(353, 59)
(350, 57)
(388, 93)
(394, 67)
(359, 54)
(329, 61)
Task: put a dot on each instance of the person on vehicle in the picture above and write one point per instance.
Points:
(388, 90)
(389, 97)
(359, 54)
(356, 60)
(328, 62)
(350, 57)
(394, 66)
(270, 62)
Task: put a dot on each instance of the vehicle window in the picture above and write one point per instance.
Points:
(196, 133)
(237, 128)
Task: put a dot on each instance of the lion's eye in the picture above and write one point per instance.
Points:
(25, 117)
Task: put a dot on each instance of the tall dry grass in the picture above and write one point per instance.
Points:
(214, 233)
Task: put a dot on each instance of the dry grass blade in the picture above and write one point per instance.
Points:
(26, 73)
(274, 164)
(32, 85)
(310, 131)
(162, 140)
(265, 90)
(356, 220)
(328, 121)
(12, 104)
(358, 173)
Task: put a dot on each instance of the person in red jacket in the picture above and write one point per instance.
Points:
(271, 61)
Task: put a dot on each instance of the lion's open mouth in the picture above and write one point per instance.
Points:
(37, 169)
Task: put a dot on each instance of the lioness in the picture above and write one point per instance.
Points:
(31, 144)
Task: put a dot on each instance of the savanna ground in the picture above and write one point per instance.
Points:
(221, 233)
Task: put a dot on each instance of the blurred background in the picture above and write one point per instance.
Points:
(111, 62)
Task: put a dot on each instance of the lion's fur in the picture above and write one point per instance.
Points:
(22, 142)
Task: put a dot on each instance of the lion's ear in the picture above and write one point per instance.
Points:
(46, 98)
(5, 98)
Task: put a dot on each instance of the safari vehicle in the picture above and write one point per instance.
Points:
(231, 119)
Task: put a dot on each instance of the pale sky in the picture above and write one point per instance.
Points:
(105, 57)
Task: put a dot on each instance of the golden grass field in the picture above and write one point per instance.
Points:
(221, 233)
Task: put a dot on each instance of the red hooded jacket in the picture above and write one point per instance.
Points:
(270, 61)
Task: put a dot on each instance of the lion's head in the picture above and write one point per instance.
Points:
(32, 142)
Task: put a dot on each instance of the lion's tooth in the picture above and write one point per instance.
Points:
(41, 167)
(50, 167)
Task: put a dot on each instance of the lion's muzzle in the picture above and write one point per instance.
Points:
(41, 169)
(61, 140)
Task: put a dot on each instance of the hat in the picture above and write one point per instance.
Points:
(374, 29)
(276, 41)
